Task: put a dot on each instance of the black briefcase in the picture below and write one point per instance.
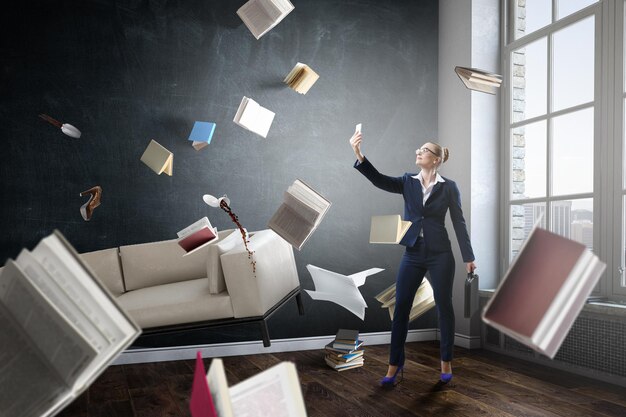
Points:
(471, 294)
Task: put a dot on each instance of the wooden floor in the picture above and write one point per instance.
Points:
(484, 384)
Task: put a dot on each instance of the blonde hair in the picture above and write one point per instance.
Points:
(441, 151)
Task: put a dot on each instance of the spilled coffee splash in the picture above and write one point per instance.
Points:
(235, 220)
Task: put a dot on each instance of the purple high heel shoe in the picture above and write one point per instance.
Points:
(390, 381)
(445, 378)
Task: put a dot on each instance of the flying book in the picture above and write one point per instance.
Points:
(423, 301)
(298, 216)
(201, 402)
(251, 116)
(197, 236)
(479, 80)
(543, 291)
(260, 16)
(158, 158)
(388, 229)
(301, 78)
(340, 289)
(201, 134)
(275, 391)
(60, 329)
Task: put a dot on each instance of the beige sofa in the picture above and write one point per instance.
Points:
(165, 291)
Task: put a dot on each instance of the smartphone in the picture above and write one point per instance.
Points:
(358, 127)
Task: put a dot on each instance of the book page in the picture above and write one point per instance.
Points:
(256, 18)
(306, 212)
(272, 9)
(257, 119)
(289, 225)
(58, 341)
(274, 392)
(337, 288)
(293, 73)
(309, 196)
(48, 286)
(203, 222)
(385, 229)
(240, 110)
(62, 265)
(216, 378)
(28, 385)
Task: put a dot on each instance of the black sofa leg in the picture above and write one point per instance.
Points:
(300, 305)
(265, 334)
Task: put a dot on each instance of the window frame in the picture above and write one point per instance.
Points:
(609, 187)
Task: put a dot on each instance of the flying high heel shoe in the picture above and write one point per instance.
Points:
(445, 378)
(86, 209)
(390, 381)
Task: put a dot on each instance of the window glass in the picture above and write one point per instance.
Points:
(573, 219)
(567, 7)
(572, 153)
(573, 61)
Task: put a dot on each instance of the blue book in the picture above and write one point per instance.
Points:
(201, 134)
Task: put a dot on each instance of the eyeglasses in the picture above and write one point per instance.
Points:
(422, 150)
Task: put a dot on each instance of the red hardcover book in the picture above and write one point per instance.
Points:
(201, 403)
(197, 239)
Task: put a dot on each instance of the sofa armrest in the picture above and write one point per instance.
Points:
(254, 293)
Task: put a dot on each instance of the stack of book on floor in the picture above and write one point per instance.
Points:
(345, 351)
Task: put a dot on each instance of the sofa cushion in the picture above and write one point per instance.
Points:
(181, 302)
(157, 263)
(228, 240)
(106, 264)
(254, 293)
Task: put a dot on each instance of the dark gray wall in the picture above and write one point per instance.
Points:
(125, 72)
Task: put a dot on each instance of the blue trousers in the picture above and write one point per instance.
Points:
(416, 261)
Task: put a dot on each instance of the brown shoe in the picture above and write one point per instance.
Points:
(86, 209)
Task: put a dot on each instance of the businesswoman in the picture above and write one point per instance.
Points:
(427, 198)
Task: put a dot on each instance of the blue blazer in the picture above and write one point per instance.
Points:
(430, 216)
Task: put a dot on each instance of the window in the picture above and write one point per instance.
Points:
(564, 116)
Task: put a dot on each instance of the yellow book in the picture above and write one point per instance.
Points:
(388, 229)
(301, 78)
(158, 158)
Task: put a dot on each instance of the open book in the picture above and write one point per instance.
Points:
(301, 78)
(273, 392)
(423, 301)
(299, 215)
(250, 115)
(158, 158)
(197, 236)
(260, 16)
(388, 229)
(479, 80)
(60, 328)
(543, 291)
(341, 289)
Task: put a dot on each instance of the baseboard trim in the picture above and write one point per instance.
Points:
(468, 342)
(256, 347)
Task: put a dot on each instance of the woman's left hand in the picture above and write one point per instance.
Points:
(470, 266)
